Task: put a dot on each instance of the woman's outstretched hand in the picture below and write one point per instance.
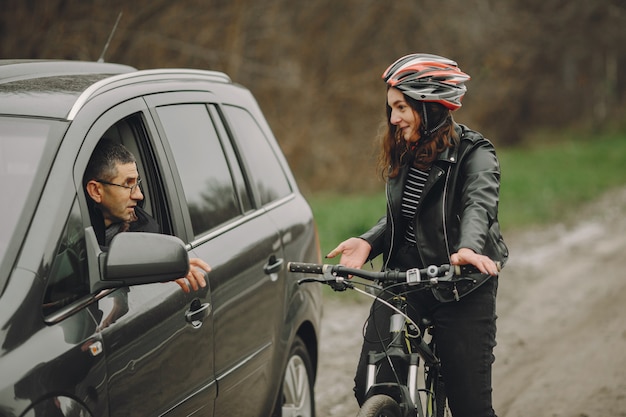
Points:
(354, 252)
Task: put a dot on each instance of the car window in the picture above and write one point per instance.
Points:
(68, 279)
(203, 168)
(130, 132)
(22, 145)
(266, 170)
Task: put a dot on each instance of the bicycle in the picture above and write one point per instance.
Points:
(404, 397)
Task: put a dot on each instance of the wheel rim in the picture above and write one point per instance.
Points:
(296, 389)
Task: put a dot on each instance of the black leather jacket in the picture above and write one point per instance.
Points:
(458, 207)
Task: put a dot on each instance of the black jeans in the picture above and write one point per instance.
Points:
(466, 335)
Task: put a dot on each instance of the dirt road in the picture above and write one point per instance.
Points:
(561, 323)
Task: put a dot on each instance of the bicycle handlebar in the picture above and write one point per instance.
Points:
(431, 275)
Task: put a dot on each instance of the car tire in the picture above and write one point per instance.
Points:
(297, 395)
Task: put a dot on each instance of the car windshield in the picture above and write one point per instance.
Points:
(22, 149)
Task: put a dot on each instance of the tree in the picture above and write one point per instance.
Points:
(315, 66)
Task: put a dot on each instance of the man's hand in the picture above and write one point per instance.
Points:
(467, 256)
(195, 277)
(354, 252)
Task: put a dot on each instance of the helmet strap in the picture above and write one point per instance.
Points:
(424, 130)
(424, 125)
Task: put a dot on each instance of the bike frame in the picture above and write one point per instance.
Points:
(405, 349)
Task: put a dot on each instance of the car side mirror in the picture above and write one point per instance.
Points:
(135, 258)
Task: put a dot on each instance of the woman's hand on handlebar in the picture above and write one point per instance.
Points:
(354, 252)
(467, 256)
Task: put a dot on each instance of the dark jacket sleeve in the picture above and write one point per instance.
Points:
(376, 237)
(480, 196)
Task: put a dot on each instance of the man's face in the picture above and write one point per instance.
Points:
(115, 199)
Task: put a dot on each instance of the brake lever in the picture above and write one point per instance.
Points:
(336, 282)
(307, 280)
(340, 284)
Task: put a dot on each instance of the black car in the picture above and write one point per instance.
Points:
(92, 331)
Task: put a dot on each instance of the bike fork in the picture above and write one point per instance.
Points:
(412, 378)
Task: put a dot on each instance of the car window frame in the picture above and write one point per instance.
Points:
(203, 166)
(88, 132)
(209, 100)
(158, 182)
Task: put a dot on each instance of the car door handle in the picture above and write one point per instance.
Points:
(273, 265)
(197, 313)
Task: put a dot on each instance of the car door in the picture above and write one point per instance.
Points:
(230, 229)
(158, 340)
(55, 363)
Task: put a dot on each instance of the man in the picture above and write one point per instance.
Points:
(112, 182)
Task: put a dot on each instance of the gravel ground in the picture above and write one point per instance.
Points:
(561, 323)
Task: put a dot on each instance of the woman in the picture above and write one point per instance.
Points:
(442, 185)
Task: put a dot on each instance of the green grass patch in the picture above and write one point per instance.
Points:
(542, 183)
(339, 216)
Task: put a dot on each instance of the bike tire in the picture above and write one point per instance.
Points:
(380, 406)
(440, 397)
(436, 400)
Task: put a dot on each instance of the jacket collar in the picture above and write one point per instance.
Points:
(451, 155)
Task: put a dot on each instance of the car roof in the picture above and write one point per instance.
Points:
(59, 88)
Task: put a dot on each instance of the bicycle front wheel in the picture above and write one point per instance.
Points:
(440, 398)
(380, 406)
(436, 401)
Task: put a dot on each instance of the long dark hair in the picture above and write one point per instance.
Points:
(394, 152)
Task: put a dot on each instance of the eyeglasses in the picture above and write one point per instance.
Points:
(132, 188)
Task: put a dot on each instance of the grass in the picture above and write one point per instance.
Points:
(542, 183)
(339, 217)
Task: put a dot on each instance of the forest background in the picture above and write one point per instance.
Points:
(315, 66)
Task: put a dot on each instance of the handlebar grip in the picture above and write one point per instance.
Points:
(305, 267)
(464, 269)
